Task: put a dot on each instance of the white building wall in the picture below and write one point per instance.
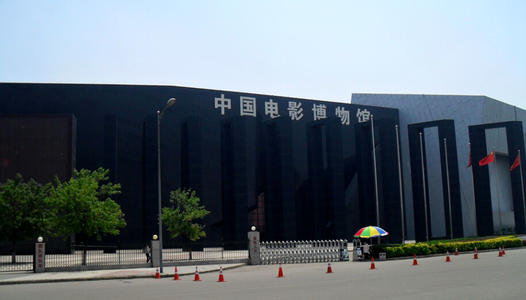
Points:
(466, 111)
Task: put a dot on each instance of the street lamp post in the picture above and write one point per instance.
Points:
(160, 114)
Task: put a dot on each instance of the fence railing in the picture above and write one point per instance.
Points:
(21, 263)
(204, 255)
(86, 257)
(81, 257)
(275, 252)
(96, 257)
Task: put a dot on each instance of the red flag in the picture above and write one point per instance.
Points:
(487, 160)
(470, 162)
(517, 162)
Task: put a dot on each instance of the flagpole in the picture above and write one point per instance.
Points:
(424, 184)
(522, 184)
(473, 188)
(497, 187)
(375, 175)
(400, 183)
(448, 192)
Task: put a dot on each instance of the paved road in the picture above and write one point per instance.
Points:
(490, 277)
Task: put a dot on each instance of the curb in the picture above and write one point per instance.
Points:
(30, 281)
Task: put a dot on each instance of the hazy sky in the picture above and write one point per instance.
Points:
(312, 49)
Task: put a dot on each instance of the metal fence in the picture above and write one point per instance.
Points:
(21, 263)
(303, 251)
(204, 255)
(96, 257)
(80, 257)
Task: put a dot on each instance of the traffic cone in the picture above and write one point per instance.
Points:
(503, 251)
(176, 275)
(329, 268)
(500, 251)
(221, 277)
(280, 271)
(456, 251)
(196, 276)
(157, 274)
(447, 257)
(415, 263)
(372, 264)
(475, 254)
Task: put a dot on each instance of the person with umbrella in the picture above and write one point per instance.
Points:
(369, 232)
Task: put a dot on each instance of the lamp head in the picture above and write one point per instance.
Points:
(155, 237)
(40, 239)
(170, 102)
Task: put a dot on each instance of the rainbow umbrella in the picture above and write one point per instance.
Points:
(370, 232)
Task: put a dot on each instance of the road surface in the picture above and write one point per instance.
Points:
(490, 277)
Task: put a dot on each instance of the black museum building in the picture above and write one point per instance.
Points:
(297, 169)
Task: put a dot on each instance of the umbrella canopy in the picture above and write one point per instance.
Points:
(370, 232)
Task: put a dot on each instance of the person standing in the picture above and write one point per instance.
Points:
(366, 250)
(147, 252)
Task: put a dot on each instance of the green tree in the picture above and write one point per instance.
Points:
(182, 218)
(24, 213)
(83, 205)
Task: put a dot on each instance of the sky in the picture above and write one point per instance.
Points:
(323, 50)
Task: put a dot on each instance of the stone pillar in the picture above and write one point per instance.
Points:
(253, 248)
(39, 260)
(156, 259)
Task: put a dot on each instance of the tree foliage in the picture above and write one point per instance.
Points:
(83, 205)
(181, 219)
(24, 212)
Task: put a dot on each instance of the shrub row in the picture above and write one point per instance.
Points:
(443, 246)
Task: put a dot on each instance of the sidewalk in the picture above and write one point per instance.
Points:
(30, 277)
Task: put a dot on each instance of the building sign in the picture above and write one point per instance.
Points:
(343, 115)
(294, 111)
(247, 106)
(223, 103)
(363, 115)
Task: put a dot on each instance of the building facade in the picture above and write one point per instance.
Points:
(491, 197)
(297, 169)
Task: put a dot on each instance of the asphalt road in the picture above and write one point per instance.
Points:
(489, 277)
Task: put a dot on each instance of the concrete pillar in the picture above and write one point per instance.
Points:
(156, 259)
(39, 260)
(253, 248)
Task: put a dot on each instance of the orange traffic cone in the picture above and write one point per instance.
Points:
(329, 268)
(280, 271)
(447, 257)
(221, 277)
(157, 274)
(475, 254)
(415, 263)
(196, 276)
(503, 251)
(456, 251)
(372, 264)
(500, 251)
(176, 275)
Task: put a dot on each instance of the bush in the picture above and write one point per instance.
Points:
(442, 246)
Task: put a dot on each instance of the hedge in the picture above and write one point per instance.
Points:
(443, 246)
